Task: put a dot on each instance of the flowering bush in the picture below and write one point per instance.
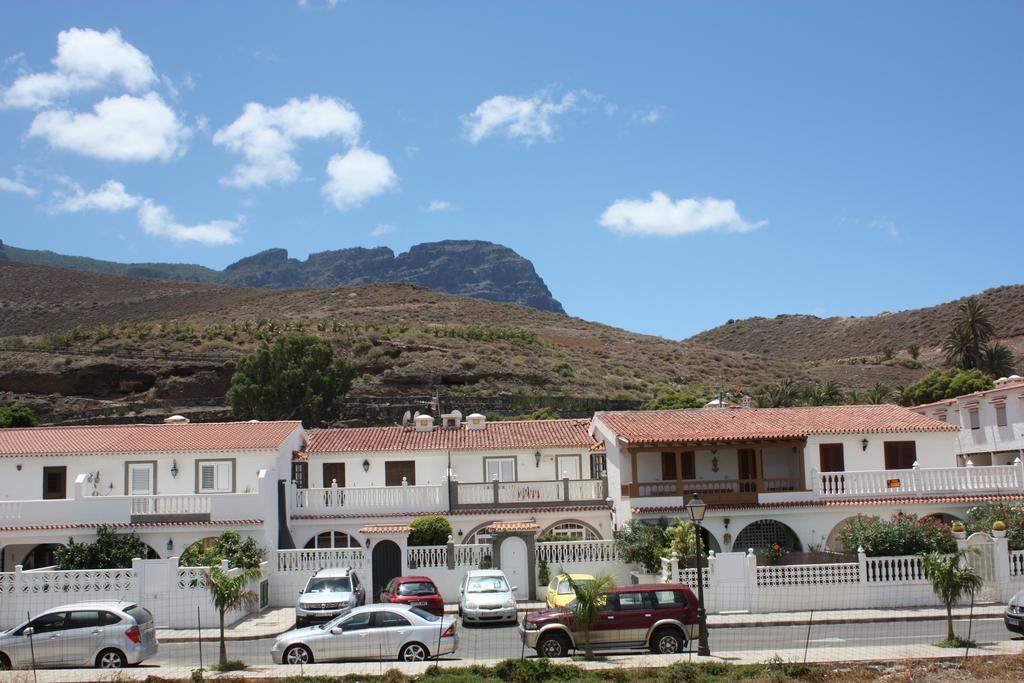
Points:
(901, 534)
(776, 553)
(984, 517)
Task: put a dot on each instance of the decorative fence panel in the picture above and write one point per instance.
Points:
(427, 556)
(369, 498)
(169, 505)
(560, 552)
(906, 569)
(1017, 563)
(688, 575)
(108, 581)
(471, 554)
(313, 560)
(808, 574)
(586, 489)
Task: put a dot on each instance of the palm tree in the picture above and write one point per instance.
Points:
(879, 394)
(997, 360)
(228, 593)
(951, 579)
(781, 394)
(824, 394)
(854, 397)
(973, 324)
(956, 348)
(914, 350)
(590, 599)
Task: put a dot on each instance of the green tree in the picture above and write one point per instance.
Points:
(982, 517)
(942, 384)
(879, 394)
(823, 394)
(430, 530)
(227, 546)
(782, 394)
(295, 377)
(901, 534)
(542, 413)
(682, 540)
(638, 542)
(230, 592)
(997, 360)
(110, 550)
(951, 579)
(971, 332)
(590, 598)
(17, 415)
(914, 350)
(674, 400)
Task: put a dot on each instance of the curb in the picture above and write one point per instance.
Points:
(831, 621)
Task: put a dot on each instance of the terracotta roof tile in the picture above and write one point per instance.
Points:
(659, 426)
(138, 525)
(507, 527)
(598, 447)
(496, 435)
(1007, 387)
(145, 438)
(386, 529)
(850, 502)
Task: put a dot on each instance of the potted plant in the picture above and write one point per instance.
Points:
(776, 553)
(958, 530)
(998, 529)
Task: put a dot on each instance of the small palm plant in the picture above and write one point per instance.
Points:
(228, 593)
(951, 579)
(590, 599)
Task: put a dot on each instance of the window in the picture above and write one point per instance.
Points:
(141, 481)
(669, 599)
(417, 588)
(357, 622)
(397, 470)
(332, 539)
(1000, 415)
(300, 474)
(334, 472)
(567, 466)
(668, 466)
(391, 619)
(631, 601)
(571, 531)
(215, 476)
(900, 455)
(598, 466)
(85, 619)
(831, 455)
(49, 622)
(55, 483)
(972, 416)
(502, 469)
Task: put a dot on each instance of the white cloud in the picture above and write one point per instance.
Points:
(665, 217)
(111, 196)
(886, 225)
(649, 116)
(381, 229)
(356, 176)
(267, 136)
(17, 186)
(202, 123)
(525, 118)
(86, 60)
(124, 128)
(156, 219)
(439, 205)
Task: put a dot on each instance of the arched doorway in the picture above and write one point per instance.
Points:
(387, 564)
(40, 556)
(764, 533)
(514, 564)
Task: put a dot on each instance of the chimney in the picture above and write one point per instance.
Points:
(476, 422)
(424, 423)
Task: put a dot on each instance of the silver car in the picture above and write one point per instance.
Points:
(371, 632)
(328, 594)
(485, 596)
(108, 635)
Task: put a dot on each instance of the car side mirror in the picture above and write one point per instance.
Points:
(336, 630)
(28, 631)
(514, 589)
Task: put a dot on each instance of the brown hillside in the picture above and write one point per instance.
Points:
(151, 342)
(808, 338)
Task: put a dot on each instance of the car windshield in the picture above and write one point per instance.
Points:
(416, 588)
(565, 589)
(339, 584)
(487, 584)
(423, 614)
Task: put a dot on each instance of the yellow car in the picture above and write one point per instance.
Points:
(559, 594)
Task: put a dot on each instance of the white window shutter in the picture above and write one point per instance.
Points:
(140, 480)
(207, 474)
(508, 470)
(223, 476)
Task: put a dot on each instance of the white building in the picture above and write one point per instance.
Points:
(991, 423)
(791, 475)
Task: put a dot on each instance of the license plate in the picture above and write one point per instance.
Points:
(418, 603)
(1011, 621)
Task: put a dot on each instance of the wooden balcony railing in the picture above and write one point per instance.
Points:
(713, 490)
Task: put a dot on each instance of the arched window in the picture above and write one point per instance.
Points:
(764, 533)
(332, 539)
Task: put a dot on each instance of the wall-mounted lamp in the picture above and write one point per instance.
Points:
(174, 469)
(170, 544)
(367, 542)
(536, 458)
(366, 468)
(863, 444)
(714, 464)
(726, 522)
(460, 534)
(18, 467)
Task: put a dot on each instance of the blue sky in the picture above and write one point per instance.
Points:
(666, 166)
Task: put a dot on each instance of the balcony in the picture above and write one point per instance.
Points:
(917, 481)
(713, 491)
(370, 499)
(522, 494)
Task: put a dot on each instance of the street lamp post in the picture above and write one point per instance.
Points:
(696, 508)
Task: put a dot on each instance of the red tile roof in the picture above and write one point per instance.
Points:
(661, 426)
(850, 502)
(145, 438)
(386, 529)
(1007, 387)
(509, 527)
(231, 523)
(496, 435)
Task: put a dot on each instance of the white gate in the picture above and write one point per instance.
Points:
(980, 556)
(732, 591)
(513, 563)
(158, 578)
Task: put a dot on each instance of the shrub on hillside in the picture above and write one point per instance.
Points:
(942, 384)
(901, 534)
(17, 415)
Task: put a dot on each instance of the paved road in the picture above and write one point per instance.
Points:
(499, 642)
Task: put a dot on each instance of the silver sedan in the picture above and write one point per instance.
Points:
(389, 631)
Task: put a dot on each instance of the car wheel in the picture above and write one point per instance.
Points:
(667, 641)
(297, 654)
(413, 652)
(5, 662)
(555, 645)
(110, 659)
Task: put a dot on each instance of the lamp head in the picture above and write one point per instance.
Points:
(696, 508)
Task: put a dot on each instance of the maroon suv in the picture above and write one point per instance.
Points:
(415, 591)
(658, 617)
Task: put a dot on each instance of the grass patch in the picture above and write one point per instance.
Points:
(956, 642)
(230, 665)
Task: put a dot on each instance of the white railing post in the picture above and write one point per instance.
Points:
(1019, 472)
(862, 565)
(815, 482)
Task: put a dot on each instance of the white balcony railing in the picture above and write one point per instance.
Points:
(370, 499)
(526, 493)
(994, 479)
(185, 504)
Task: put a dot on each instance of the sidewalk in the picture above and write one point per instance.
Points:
(276, 621)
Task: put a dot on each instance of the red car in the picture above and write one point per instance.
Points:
(659, 617)
(415, 591)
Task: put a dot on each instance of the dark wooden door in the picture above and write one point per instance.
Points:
(900, 455)
(55, 483)
(387, 564)
(334, 471)
(747, 462)
(300, 474)
(831, 457)
(395, 470)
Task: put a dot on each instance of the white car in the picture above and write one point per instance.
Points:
(485, 596)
